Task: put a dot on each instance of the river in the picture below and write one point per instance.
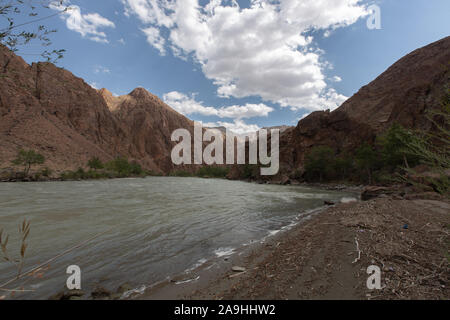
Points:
(155, 227)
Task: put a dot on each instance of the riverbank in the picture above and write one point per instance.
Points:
(326, 257)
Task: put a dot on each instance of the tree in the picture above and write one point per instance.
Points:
(432, 149)
(366, 160)
(394, 147)
(343, 165)
(95, 163)
(318, 162)
(27, 159)
(14, 35)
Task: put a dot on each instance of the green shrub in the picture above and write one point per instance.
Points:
(95, 163)
(123, 168)
(180, 173)
(119, 165)
(319, 163)
(46, 172)
(212, 172)
(135, 168)
(366, 161)
(250, 171)
(153, 173)
(27, 158)
(343, 166)
(68, 175)
(394, 148)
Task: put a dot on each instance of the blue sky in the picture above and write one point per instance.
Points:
(241, 64)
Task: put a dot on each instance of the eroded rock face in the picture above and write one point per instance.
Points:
(401, 95)
(48, 109)
(150, 124)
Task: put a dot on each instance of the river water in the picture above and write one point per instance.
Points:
(156, 227)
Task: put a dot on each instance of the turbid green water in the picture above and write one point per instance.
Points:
(159, 226)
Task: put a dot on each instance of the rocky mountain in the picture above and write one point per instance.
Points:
(150, 124)
(49, 110)
(402, 94)
(281, 128)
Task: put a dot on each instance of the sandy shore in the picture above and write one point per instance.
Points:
(319, 258)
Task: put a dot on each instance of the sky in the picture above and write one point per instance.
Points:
(242, 64)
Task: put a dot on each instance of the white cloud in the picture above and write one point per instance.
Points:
(257, 51)
(150, 11)
(248, 110)
(188, 105)
(238, 126)
(155, 39)
(121, 41)
(94, 85)
(336, 79)
(87, 25)
(100, 69)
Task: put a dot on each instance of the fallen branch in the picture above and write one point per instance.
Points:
(359, 251)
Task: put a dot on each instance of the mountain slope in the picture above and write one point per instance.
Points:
(49, 110)
(150, 124)
(402, 94)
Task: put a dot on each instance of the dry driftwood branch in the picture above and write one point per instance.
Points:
(359, 251)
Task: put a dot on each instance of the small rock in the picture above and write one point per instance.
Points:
(238, 269)
(329, 203)
(100, 293)
(68, 295)
(285, 180)
(58, 296)
(116, 296)
(124, 288)
(371, 192)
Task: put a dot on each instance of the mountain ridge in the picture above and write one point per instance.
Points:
(402, 94)
(48, 109)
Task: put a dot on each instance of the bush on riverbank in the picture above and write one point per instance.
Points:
(180, 173)
(117, 168)
(203, 172)
(212, 172)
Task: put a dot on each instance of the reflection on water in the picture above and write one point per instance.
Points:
(159, 226)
